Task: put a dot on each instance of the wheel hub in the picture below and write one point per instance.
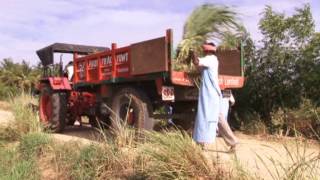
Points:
(45, 108)
(127, 114)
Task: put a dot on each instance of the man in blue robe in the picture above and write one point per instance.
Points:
(209, 96)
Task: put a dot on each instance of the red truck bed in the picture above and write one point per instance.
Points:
(225, 81)
(150, 58)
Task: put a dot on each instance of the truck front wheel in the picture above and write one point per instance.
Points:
(53, 109)
(133, 107)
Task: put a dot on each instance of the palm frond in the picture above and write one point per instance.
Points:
(206, 22)
(232, 40)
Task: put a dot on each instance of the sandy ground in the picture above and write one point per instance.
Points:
(5, 117)
(255, 155)
(264, 158)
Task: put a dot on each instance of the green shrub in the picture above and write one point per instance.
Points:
(32, 144)
(24, 169)
(253, 124)
(303, 120)
(14, 167)
(85, 166)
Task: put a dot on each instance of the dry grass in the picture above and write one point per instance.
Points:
(300, 164)
(174, 155)
(25, 120)
(154, 155)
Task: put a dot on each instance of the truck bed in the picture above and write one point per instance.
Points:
(147, 60)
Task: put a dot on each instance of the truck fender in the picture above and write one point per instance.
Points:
(59, 83)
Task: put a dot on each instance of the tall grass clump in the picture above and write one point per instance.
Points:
(34, 144)
(124, 136)
(20, 162)
(25, 120)
(88, 163)
(173, 155)
(13, 167)
(252, 124)
(95, 161)
(303, 120)
(61, 158)
(154, 155)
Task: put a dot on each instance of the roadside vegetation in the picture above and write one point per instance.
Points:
(17, 77)
(28, 152)
(282, 76)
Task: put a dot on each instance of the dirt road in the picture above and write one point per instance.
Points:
(257, 156)
(5, 117)
(264, 158)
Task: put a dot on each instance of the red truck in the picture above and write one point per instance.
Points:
(130, 83)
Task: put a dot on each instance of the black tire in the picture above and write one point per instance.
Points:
(99, 121)
(57, 102)
(186, 122)
(140, 106)
(70, 119)
(102, 117)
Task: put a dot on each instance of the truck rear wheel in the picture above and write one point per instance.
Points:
(133, 107)
(99, 121)
(185, 122)
(53, 109)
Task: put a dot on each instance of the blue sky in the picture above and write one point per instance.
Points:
(26, 26)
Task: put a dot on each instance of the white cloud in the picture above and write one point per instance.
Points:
(26, 26)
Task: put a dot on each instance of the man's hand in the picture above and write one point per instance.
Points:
(194, 58)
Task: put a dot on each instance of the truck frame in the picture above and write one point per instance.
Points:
(124, 84)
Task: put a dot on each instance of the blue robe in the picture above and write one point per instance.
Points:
(224, 107)
(208, 104)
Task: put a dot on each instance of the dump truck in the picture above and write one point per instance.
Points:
(129, 84)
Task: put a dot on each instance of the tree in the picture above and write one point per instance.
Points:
(17, 77)
(276, 71)
(308, 68)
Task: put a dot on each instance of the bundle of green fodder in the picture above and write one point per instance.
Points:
(207, 22)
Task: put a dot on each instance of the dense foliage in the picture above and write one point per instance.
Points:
(283, 69)
(16, 77)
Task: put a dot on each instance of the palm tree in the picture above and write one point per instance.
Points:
(206, 22)
(17, 77)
